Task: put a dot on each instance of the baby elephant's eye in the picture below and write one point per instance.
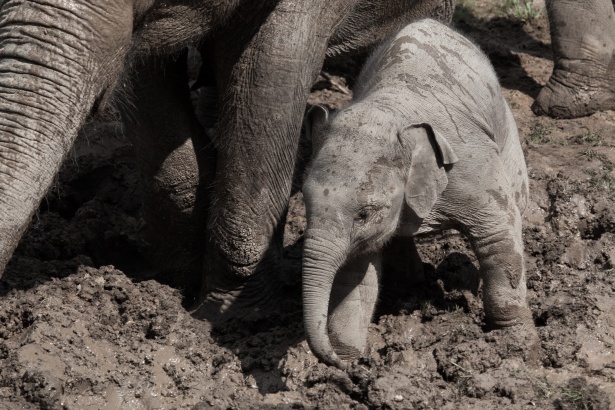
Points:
(364, 214)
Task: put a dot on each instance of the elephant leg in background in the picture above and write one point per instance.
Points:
(351, 306)
(264, 74)
(583, 79)
(173, 178)
(371, 22)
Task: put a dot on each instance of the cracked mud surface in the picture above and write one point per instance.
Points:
(85, 325)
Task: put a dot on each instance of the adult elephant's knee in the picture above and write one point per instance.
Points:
(173, 178)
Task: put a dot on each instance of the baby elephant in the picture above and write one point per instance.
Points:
(429, 143)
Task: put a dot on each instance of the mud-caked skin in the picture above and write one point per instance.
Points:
(63, 60)
(428, 143)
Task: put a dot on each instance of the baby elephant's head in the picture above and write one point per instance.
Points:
(368, 170)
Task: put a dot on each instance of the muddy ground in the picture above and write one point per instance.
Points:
(84, 326)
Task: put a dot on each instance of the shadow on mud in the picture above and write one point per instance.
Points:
(452, 285)
(90, 217)
(259, 328)
(503, 39)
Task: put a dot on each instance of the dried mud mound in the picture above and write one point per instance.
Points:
(83, 325)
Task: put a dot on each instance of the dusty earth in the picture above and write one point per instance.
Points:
(83, 324)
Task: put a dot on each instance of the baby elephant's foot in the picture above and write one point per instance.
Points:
(519, 341)
(515, 334)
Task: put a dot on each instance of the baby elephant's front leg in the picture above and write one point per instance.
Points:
(492, 220)
(503, 272)
(500, 255)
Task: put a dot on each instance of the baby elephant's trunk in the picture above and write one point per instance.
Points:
(321, 260)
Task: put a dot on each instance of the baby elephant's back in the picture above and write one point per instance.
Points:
(431, 73)
(433, 66)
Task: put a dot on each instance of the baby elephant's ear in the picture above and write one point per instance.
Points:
(429, 152)
(316, 118)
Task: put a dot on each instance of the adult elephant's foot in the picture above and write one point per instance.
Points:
(176, 167)
(250, 291)
(577, 89)
(583, 79)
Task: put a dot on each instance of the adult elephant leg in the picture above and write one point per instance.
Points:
(176, 166)
(583, 79)
(265, 78)
(56, 62)
(371, 22)
(351, 307)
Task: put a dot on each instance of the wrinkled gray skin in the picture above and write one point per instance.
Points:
(429, 143)
(64, 60)
(583, 79)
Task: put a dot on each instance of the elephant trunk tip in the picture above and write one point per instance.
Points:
(334, 360)
(325, 353)
(331, 359)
